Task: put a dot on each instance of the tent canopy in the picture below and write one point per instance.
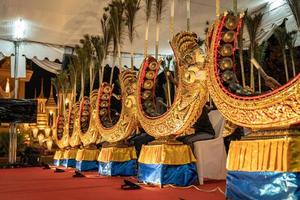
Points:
(64, 22)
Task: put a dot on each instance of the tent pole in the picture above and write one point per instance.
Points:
(13, 126)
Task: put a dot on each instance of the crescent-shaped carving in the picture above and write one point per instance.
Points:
(277, 109)
(191, 91)
(73, 127)
(88, 135)
(127, 123)
(59, 133)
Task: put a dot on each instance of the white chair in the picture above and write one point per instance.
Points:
(211, 154)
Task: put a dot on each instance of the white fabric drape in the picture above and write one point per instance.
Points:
(211, 154)
(64, 22)
(32, 49)
(47, 65)
(1, 56)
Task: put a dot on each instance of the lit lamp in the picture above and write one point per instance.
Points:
(35, 132)
(7, 88)
(41, 138)
(50, 123)
(67, 104)
(47, 132)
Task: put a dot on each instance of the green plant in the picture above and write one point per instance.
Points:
(131, 9)
(291, 41)
(253, 24)
(107, 37)
(281, 36)
(241, 56)
(116, 11)
(295, 7)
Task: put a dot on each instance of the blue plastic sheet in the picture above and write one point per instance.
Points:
(69, 163)
(263, 185)
(57, 162)
(180, 175)
(86, 165)
(127, 168)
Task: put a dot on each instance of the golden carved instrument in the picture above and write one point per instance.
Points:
(191, 92)
(88, 131)
(127, 122)
(275, 109)
(73, 126)
(59, 134)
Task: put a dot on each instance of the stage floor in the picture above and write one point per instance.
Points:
(37, 184)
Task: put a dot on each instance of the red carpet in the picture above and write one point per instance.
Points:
(37, 184)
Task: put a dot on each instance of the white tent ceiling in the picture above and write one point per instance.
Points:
(64, 22)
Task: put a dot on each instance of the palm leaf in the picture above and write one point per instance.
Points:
(148, 9)
(107, 37)
(98, 44)
(291, 41)
(253, 24)
(295, 7)
(281, 35)
(116, 10)
(241, 54)
(159, 6)
(131, 9)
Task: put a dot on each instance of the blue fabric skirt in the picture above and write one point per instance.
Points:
(127, 168)
(263, 185)
(57, 162)
(86, 165)
(69, 163)
(161, 174)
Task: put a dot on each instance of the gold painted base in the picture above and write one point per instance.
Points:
(166, 140)
(117, 154)
(272, 134)
(119, 144)
(273, 150)
(87, 154)
(59, 153)
(70, 153)
(169, 154)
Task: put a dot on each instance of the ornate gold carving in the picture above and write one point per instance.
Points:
(61, 139)
(278, 109)
(191, 92)
(74, 139)
(229, 128)
(90, 137)
(127, 122)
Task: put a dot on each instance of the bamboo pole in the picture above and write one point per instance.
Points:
(188, 17)
(285, 65)
(293, 62)
(259, 81)
(172, 18)
(157, 40)
(112, 72)
(217, 8)
(146, 39)
(252, 83)
(131, 57)
(234, 4)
